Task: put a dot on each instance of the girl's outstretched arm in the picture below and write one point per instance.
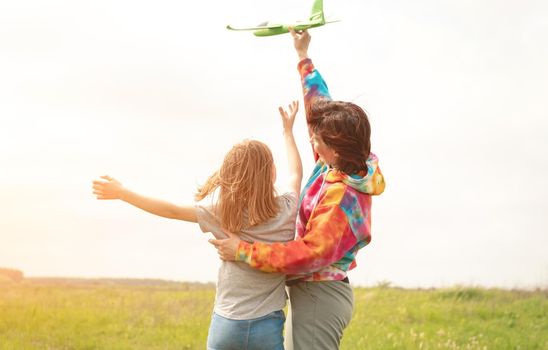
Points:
(293, 158)
(111, 188)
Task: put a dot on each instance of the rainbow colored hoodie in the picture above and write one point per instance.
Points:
(334, 218)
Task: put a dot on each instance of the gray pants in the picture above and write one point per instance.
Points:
(318, 314)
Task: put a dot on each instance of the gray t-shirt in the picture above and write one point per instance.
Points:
(243, 292)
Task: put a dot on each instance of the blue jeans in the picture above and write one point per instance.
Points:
(263, 333)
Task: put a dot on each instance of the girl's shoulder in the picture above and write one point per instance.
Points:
(288, 201)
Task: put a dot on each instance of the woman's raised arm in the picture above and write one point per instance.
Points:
(313, 85)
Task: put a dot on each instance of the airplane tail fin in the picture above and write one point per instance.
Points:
(316, 15)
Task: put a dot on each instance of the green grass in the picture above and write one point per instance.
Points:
(53, 315)
(456, 318)
(134, 314)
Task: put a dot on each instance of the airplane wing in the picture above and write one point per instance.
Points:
(260, 26)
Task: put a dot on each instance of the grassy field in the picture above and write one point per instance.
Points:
(150, 314)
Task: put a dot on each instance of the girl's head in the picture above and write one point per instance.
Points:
(341, 134)
(246, 185)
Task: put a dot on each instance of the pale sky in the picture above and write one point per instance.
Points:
(155, 93)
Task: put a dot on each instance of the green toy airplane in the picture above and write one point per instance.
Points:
(267, 28)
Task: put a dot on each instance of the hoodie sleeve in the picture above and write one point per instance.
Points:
(314, 88)
(328, 237)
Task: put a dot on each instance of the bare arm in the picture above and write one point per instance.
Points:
(293, 158)
(113, 189)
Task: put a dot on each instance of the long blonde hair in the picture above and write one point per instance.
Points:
(246, 186)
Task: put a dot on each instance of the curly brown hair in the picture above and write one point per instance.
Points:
(344, 127)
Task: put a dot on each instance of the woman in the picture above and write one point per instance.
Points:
(333, 221)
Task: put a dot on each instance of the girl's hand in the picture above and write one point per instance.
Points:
(109, 189)
(289, 119)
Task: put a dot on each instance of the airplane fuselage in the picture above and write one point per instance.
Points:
(284, 29)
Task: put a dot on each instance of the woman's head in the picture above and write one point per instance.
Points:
(246, 184)
(341, 134)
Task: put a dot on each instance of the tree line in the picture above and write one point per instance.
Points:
(12, 274)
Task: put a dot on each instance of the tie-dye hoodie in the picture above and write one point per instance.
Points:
(334, 219)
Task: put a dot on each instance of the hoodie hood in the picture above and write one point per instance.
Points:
(371, 183)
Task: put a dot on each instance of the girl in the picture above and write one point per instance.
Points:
(248, 304)
(334, 219)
